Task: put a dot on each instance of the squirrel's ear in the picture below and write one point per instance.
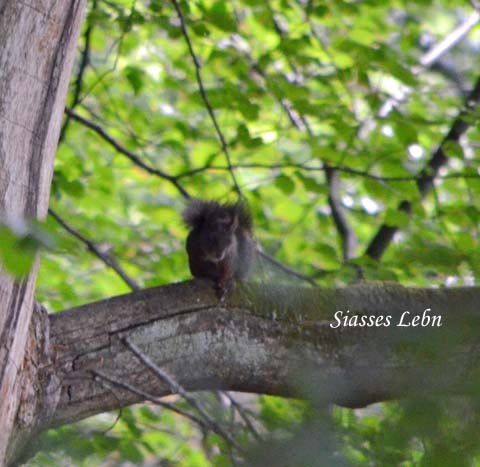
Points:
(194, 213)
(243, 214)
(234, 224)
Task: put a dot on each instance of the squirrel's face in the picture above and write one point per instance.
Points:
(219, 237)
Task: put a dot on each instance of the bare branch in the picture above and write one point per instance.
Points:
(449, 41)
(286, 269)
(244, 415)
(203, 93)
(122, 150)
(106, 258)
(349, 239)
(112, 382)
(84, 62)
(177, 389)
(322, 168)
(236, 345)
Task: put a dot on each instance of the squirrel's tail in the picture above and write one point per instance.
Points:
(244, 215)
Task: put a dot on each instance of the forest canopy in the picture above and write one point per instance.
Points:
(351, 130)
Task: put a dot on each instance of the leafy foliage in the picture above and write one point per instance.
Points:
(19, 243)
(296, 88)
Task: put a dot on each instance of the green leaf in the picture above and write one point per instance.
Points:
(311, 184)
(18, 247)
(328, 256)
(453, 150)
(396, 218)
(221, 17)
(200, 29)
(363, 36)
(16, 254)
(285, 184)
(343, 60)
(131, 453)
(135, 77)
(248, 110)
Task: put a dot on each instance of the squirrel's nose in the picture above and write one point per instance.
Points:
(220, 255)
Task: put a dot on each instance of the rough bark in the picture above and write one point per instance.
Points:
(268, 340)
(38, 44)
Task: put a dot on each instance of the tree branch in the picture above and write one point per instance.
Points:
(427, 60)
(286, 269)
(243, 415)
(425, 179)
(84, 62)
(91, 246)
(176, 388)
(111, 383)
(322, 168)
(347, 234)
(449, 41)
(266, 340)
(122, 150)
(203, 93)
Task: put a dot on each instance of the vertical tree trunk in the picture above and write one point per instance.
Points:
(38, 42)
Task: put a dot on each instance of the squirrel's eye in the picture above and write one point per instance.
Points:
(224, 225)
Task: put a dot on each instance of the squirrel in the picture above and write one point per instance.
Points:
(220, 244)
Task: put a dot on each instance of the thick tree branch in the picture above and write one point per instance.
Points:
(268, 340)
(347, 234)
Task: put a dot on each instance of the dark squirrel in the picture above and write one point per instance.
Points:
(220, 244)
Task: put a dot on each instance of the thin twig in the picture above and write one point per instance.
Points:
(106, 258)
(203, 93)
(241, 411)
(178, 389)
(84, 62)
(319, 168)
(286, 269)
(449, 41)
(122, 150)
(101, 378)
(292, 114)
(114, 424)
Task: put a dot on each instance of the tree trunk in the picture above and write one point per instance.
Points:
(38, 45)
